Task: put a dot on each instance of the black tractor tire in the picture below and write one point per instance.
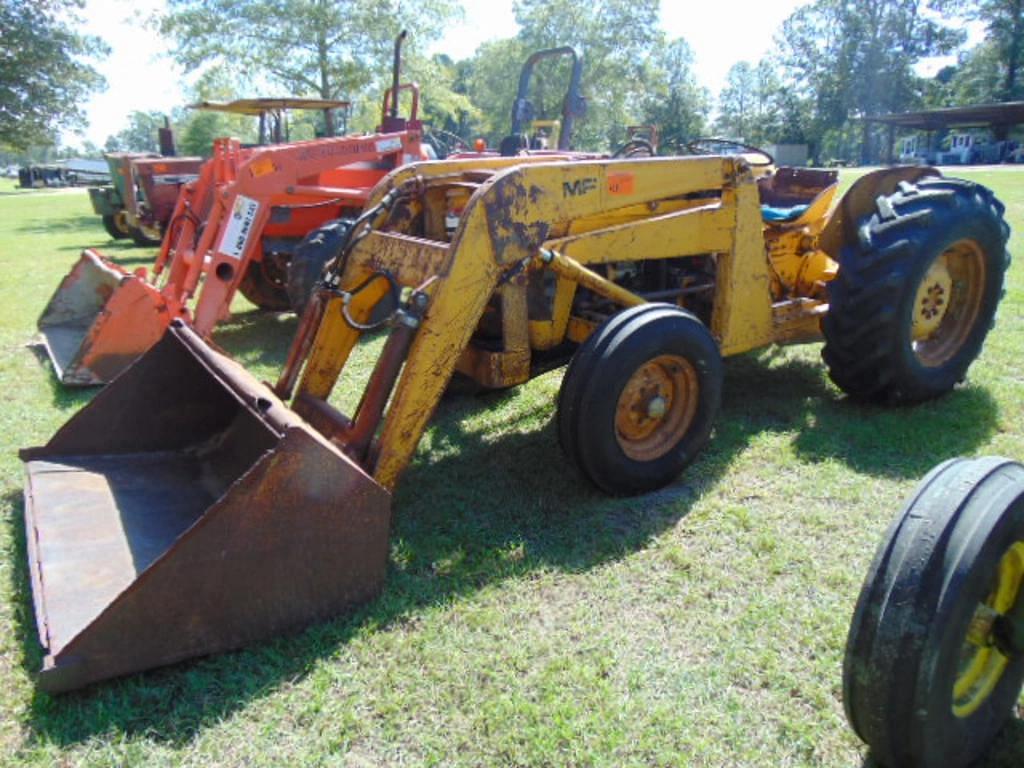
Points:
(873, 302)
(311, 255)
(264, 285)
(116, 232)
(141, 239)
(939, 563)
(654, 351)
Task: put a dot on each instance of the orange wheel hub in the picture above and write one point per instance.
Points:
(656, 407)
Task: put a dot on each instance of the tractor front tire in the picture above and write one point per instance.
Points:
(639, 398)
(113, 225)
(311, 255)
(932, 670)
(143, 236)
(264, 285)
(917, 292)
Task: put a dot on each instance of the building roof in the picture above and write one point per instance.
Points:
(1007, 113)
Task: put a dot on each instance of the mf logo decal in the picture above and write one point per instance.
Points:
(579, 187)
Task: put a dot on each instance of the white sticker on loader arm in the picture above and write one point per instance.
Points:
(239, 228)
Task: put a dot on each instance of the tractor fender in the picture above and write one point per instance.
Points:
(859, 201)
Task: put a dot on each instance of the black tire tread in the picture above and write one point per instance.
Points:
(261, 290)
(589, 387)
(311, 254)
(110, 225)
(864, 320)
(906, 600)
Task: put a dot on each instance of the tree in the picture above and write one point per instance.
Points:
(330, 48)
(141, 134)
(978, 77)
(44, 74)
(616, 39)
(855, 58)
(674, 101)
(737, 103)
(753, 104)
(1004, 27)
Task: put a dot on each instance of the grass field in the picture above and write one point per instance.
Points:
(527, 619)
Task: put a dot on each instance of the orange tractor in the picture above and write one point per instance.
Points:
(233, 229)
(150, 185)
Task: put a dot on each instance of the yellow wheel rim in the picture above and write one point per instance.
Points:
(981, 664)
(947, 303)
(121, 222)
(656, 407)
(153, 233)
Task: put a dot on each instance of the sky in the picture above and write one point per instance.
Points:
(141, 76)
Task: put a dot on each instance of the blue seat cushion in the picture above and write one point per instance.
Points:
(772, 213)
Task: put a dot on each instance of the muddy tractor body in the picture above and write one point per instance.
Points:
(641, 273)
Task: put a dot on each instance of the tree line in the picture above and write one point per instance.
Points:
(831, 63)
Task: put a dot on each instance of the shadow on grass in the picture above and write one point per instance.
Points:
(768, 391)
(58, 225)
(256, 336)
(64, 398)
(475, 509)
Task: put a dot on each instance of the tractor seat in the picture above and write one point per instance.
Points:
(775, 214)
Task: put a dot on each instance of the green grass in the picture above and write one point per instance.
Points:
(527, 619)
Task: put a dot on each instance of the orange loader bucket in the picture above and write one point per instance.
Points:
(100, 319)
(186, 510)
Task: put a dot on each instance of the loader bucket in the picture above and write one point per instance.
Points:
(100, 319)
(187, 510)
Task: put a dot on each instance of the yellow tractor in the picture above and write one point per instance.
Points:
(182, 496)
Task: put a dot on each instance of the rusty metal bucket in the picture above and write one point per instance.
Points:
(101, 319)
(187, 510)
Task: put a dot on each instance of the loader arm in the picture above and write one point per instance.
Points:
(242, 209)
(503, 228)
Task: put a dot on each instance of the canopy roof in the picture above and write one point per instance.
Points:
(257, 107)
(1008, 113)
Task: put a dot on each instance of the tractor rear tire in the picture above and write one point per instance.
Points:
(639, 398)
(311, 255)
(264, 285)
(925, 681)
(110, 223)
(917, 293)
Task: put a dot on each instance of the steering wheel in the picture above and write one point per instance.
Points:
(635, 148)
(728, 147)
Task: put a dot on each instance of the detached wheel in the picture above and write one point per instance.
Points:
(935, 657)
(311, 255)
(639, 398)
(917, 294)
(264, 283)
(116, 226)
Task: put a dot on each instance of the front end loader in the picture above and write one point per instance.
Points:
(232, 229)
(641, 273)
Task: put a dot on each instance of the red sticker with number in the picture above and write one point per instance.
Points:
(620, 183)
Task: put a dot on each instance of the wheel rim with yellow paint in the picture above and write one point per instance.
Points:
(656, 407)
(121, 222)
(947, 303)
(982, 664)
